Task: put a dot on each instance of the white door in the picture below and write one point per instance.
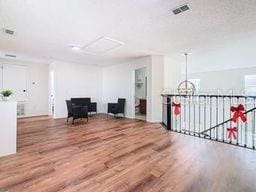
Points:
(15, 79)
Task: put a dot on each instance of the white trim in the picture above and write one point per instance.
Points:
(133, 92)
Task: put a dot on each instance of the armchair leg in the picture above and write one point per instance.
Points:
(67, 120)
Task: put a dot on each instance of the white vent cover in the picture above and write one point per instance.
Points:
(21, 109)
(102, 45)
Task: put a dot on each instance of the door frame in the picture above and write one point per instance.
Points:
(134, 91)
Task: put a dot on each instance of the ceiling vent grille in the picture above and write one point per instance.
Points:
(9, 55)
(180, 9)
(8, 31)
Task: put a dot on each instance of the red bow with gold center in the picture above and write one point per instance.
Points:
(238, 112)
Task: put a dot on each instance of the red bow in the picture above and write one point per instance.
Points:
(238, 112)
(232, 132)
(176, 108)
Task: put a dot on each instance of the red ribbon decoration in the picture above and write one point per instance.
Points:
(176, 108)
(232, 131)
(238, 112)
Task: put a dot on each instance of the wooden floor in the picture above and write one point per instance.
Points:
(121, 155)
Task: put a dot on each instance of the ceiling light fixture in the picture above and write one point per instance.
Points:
(75, 48)
(186, 87)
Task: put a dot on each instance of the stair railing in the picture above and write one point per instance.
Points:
(209, 116)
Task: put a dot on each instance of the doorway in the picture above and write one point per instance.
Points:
(141, 93)
(51, 92)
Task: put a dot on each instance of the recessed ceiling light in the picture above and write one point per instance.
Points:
(75, 48)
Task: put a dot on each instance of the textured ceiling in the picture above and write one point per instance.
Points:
(45, 29)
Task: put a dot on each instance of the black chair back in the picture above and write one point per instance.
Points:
(69, 107)
(81, 101)
(121, 105)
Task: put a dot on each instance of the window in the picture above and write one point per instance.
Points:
(250, 84)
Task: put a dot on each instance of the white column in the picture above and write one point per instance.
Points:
(8, 127)
(155, 88)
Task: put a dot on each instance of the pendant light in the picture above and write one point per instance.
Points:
(186, 87)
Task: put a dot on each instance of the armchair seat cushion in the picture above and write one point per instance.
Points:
(112, 108)
(116, 108)
(80, 112)
(76, 111)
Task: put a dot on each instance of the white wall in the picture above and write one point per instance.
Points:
(37, 103)
(75, 80)
(156, 87)
(119, 81)
(172, 73)
(219, 64)
(233, 52)
(223, 65)
(224, 81)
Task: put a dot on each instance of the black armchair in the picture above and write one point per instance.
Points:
(76, 111)
(70, 111)
(116, 108)
(82, 101)
(86, 101)
(93, 107)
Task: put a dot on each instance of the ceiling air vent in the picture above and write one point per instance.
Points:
(180, 9)
(9, 55)
(8, 31)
